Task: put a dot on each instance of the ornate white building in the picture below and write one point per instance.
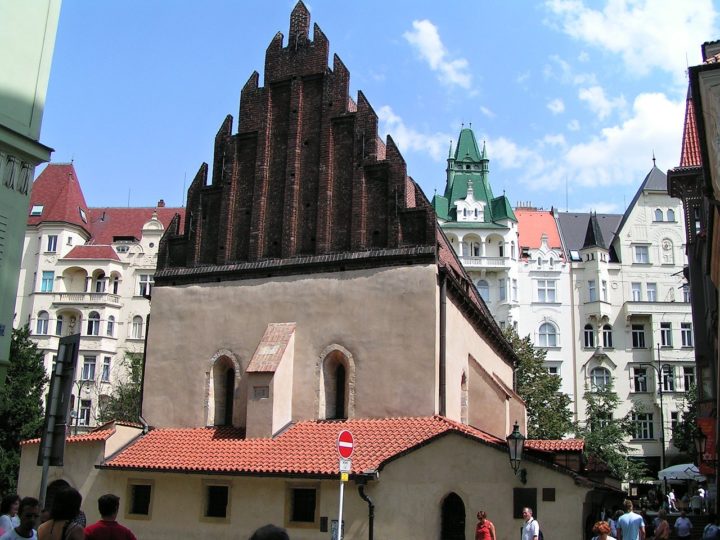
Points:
(87, 271)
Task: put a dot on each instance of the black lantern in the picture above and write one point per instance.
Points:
(516, 443)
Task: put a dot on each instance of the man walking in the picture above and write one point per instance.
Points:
(531, 529)
(108, 528)
(631, 526)
(29, 512)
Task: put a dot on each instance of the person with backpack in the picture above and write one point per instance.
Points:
(531, 529)
(711, 530)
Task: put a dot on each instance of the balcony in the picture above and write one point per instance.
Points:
(487, 263)
(75, 298)
(634, 308)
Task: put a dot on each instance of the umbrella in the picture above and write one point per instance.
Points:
(684, 471)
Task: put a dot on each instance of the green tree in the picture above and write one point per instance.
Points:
(686, 429)
(124, 401)
(605, 435)
(21, 404)
(548, 409)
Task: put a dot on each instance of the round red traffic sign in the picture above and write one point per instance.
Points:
(345, 444)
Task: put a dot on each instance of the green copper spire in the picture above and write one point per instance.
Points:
(467, 148)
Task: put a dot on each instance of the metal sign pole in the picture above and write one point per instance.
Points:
(340, 513)
(48, 440)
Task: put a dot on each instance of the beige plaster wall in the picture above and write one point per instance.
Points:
(487, 403)
(282, 388)
(259, 421)
(463, 340)
(385, 317)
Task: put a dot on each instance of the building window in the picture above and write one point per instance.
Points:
(52, 243)
(651, 291)
(303, 504)
(686, 334)
(599, 378)
(110, 331)
(216, 504)
(688, 377)
(41, 328)
(100, 283)
(546, 291)
(604, 290)
(547, 335)
(607, 336)
(59, 325)
(643, 425)
(636, 289)
(539, 261)
(36, 210)
(642, 254)
(668, 379)
(638, 336)
(502, 289)
(115, 284)
(666, 334)
(501, 248)
(46, 285)
(674, 421)
(88, 369)
(484, 289)
(514, 290)
(552, 370)
(512, 250)
(640, 379)
(589, 336)
(105, 376)
(93, 326)
(671, 215)
(658, 215)
(137, 327)
(592, 290)
(139, 497)
(146, 283)
(686, 293)
(84, 414)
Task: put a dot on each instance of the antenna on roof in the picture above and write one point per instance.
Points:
(567, 204)
(470, 125)
(128, 197)
(653, 157)
(72, 159)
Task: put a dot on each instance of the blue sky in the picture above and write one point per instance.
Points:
(572, 97)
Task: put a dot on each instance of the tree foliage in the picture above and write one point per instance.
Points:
(124, 401)
(686, 429)
(605, 435)
(21, 404)
(548, 409)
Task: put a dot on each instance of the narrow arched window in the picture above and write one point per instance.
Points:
(110, 326)
(340, 392)
(100, 283)
(671, 215)
(607, 336)
(222, 392)
(41, 328)
(658, 215)
(336, 388)
(589, 336)
(228, 396)
(137, 327)
(599, 378)
(59, 325)
(93, 325)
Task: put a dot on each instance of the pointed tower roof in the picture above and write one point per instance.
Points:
(656, 180)
(57, 196)
(467, 147)
(593, 235)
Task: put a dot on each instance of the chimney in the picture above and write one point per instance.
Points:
(710, 49)
(161, 203)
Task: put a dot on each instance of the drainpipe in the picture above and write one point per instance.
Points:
(371, 510)
(443, 341)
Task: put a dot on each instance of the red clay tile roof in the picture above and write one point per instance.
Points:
(108, 223)
(566, 445)
(271, 348)
(531, 226)
(98, 435)
(58, 191)
(690, 155)
(92, 252)
(306, 448)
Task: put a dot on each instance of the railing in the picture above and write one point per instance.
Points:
(86, 298)
(485, 262)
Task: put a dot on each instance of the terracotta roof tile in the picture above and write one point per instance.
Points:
(532, 224)
(58, 191)
(271, 348)
(108, 223)
(97, 435)
(690, 155)
(558, 445)
(92, 252)
(306, 448)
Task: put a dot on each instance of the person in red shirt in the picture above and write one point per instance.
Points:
(108, 528)
(485, 530)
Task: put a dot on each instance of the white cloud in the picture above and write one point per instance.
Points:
(646, 34)
(408, 139)
(522, 77)
(562, 71)
(426, 40)
(583, 56)
(554, 140)
(599, 103)
(573, 125)
(600, 207)
(487, 112)
(556, 106)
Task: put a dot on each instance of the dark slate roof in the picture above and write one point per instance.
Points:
(656, 180)
(574, 226)
(594, 236)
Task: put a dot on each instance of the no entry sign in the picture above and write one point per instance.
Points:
(345, 444)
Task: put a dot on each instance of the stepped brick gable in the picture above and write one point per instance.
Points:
(305, 175)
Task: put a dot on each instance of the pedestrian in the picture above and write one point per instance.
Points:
(662, 528)
(28, 514)
(9, 508)
(683, 526)
(485, 530)
(702, 493)
(531, 529)
(614, 522)
(630, 525)
(672, 506)
(696, 503)
(65, 508)
(601, 529)
(270, 532)
(711, 530)
(107, 528)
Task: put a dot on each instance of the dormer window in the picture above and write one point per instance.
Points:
(83, 216)
(36, 210)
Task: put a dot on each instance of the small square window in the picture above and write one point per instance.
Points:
(302, 505)
(216, 505)
(139, 499)
(261, 392)
(548, 494)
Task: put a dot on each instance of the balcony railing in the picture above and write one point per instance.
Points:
(85, 298)
(485, 262)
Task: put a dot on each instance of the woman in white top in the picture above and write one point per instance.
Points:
(9, 510)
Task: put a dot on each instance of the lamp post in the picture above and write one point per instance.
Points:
(80, 384)
(516, 444)
(659, 372)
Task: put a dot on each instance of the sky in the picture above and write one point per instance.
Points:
(572, 97)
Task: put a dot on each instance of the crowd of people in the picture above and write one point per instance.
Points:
(485, 530)
(22, 518)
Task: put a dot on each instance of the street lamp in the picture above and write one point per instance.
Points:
(516, 443)
(659, 372)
